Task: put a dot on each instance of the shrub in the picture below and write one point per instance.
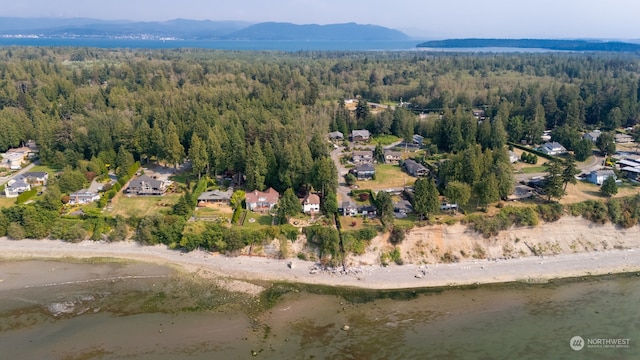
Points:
(550, 212)
(397, 235)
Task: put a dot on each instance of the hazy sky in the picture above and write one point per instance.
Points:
(427, 18)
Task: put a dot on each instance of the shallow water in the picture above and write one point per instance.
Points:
(141, 311)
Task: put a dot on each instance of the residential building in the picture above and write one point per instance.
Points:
(478, 114)
(403, 207)
(360, 135)
(364, 172)
(392, 157)
(82, 197)
(12, 160)
(599, 176)
(349, 209)
(415, 169)
(336, 136)
(418, 139)
(367, 210)
(215, 197)
(513, 157)
(311, 204)
(16, 186)
(593, 135)
(631, 168)
(37, 177)
(553, 148)
(262, 201)
(145, 185)
(623, 138)
(362, 157)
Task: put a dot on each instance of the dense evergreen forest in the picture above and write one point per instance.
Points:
(265, 114)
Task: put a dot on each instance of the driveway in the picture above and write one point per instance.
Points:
(343, 189)
(4, 180)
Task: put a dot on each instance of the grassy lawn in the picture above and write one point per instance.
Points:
(387, 176)
(42, 168)
(142, 205)
(7, 202)
(212, 212)
(357, 222)
(256, 221)
(385, 139)
(534, 169)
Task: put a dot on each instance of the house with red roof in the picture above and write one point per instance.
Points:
(262, 201)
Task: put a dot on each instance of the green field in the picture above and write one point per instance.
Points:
(385, 139)
(260, 221)
(142, 205)
(387, 176)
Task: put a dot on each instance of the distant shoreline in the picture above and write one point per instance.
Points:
(524, 270)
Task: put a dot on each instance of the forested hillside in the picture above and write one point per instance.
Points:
(265, 114)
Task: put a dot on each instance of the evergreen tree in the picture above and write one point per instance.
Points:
(426, 197)
(256, 168)
(609, 187)
(458, 192)
(384, 205)
(569, 171)
(198, 155)
(582, 150)
(124, 160)
(288, 206)
(486, 190)
(553, 181)
(174, 151)
(606, 143)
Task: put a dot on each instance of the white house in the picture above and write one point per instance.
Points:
(82, 197)
(311, 204)
(513, 157)
(553, 148)
(599, 176)
(16, 186)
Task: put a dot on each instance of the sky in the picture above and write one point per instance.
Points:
(603, 19)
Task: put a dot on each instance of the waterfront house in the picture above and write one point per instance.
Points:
(215, 197)
(145, 185)
(16, 186)
(262, 201)
(82, 197)
(311, 204)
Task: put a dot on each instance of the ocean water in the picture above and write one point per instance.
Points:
(134, 311)
(287, 46)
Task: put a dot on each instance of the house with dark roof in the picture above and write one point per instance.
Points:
(418, 139)
(415, 169)
(37, 177)
(83, 196)
(262, 201)
(592, 136)
(362, 157)
(364, 172)
(146, 185)
(336, 136)
(215, 197)
(360, 135)
(311, 204)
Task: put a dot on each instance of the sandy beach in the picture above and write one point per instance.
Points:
(526, 269)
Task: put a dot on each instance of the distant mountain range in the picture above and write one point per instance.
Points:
(192, 30)
(559, 45)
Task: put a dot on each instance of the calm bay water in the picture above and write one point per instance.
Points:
(138, 311)
(218, 44)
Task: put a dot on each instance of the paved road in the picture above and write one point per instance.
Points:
(4, 180)
(595, 163)
(343, 189)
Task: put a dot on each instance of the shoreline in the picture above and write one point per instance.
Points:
(237, 273)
